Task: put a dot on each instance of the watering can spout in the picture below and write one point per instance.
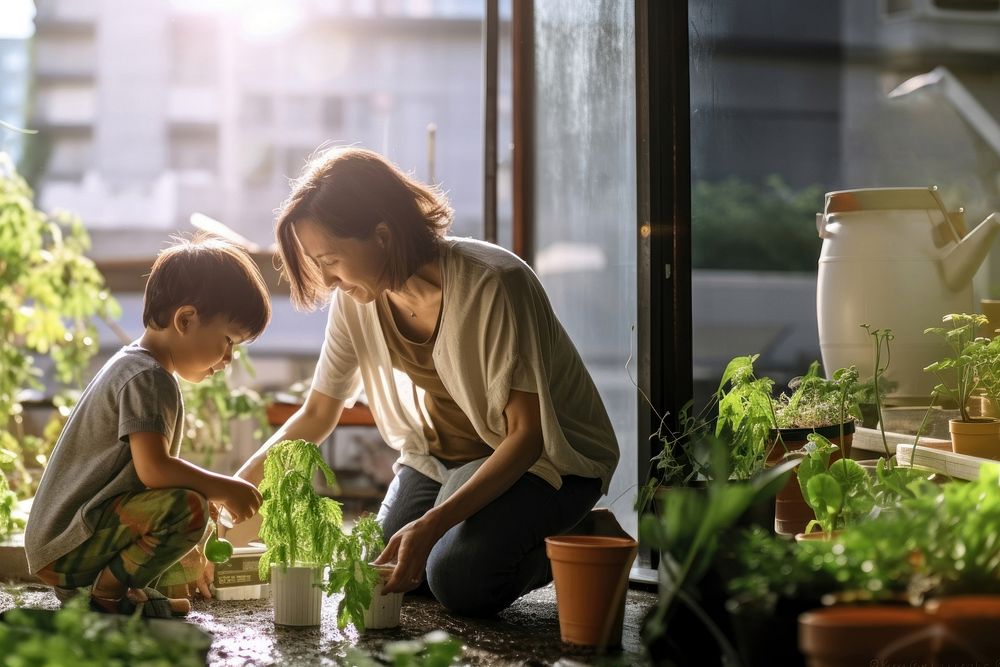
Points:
(964, 260)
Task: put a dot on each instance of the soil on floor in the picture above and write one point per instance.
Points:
(527, 633)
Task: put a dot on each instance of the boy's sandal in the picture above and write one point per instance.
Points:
(156, 605)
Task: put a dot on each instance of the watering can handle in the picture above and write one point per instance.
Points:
(821, 225)
(956, 227)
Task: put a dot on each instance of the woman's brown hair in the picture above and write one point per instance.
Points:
(348, 191)
(215, 276)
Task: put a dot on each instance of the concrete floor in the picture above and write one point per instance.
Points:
(525, 634)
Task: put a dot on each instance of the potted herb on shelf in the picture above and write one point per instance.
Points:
(958, 381)
(774, 428)
(307, 552)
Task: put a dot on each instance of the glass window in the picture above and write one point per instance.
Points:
(585, 210)
(792, 100)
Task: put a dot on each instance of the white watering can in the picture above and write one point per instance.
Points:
(894, 258)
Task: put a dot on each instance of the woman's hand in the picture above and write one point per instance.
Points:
(409, 549)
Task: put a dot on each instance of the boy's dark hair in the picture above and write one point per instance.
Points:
(211, 274)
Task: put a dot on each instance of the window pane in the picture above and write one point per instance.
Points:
(585, 199)
(791, 100)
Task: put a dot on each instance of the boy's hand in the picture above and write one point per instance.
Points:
(240, 497)
(200, 572)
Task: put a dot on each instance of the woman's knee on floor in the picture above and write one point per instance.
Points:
(465, 585)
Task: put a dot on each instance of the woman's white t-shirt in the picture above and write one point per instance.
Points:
(498, 332)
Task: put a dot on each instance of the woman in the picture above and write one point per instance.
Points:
(502, 435)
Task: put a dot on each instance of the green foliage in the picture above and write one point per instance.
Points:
(739, 225)
(300, 527)
(9, 523)
(960, 544)
(212, 404)
(985, 355)
(840, 494)
(74, 635)
(957, 373)
(351, 573)
(49, 293)
(688, 532)
(746, 415)
(937, 540)
(816, 401)
(435, 649)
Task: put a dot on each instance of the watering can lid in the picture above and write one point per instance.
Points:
(883, 199)
(889, 199)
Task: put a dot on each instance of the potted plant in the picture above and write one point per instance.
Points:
(959, 380)
(307, 552)
(774, 428)
(690, 533)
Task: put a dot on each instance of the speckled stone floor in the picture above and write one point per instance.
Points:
(525, 634)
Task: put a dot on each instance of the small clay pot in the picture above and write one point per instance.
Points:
(591, 579)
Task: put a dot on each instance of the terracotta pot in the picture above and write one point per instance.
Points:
(791, 513)
(298, 598)
(591, 578)
(971, 622)
(816, 536)
(384, 610)
(849, 636)
(979, 437)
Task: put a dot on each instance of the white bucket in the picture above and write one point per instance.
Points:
(298, 598)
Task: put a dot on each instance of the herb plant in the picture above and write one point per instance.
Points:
(74, 635)
(688, 535)
(746, 415)
(300, 527)
(957, 373)
(839, 493)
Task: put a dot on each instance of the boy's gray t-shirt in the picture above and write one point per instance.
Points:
(92, 462)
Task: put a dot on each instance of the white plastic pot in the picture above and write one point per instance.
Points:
(384, 609)
(298, 598)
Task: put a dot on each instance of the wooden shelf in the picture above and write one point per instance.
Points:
(359, 415)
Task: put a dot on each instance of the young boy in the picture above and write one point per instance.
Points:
(116, 505)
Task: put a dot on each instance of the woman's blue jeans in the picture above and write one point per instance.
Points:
(480, 566)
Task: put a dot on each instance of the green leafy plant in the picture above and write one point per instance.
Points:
(9, 521)
(300, 527)
(746, 415)
(74, 635)
(210, 407)
(688, 532)
(956, 373)
(50, 291)
(816, 401)
(435, 649)
(839, 493)
(351, 573)
(985, 353)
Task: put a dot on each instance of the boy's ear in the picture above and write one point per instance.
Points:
(184, 318)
